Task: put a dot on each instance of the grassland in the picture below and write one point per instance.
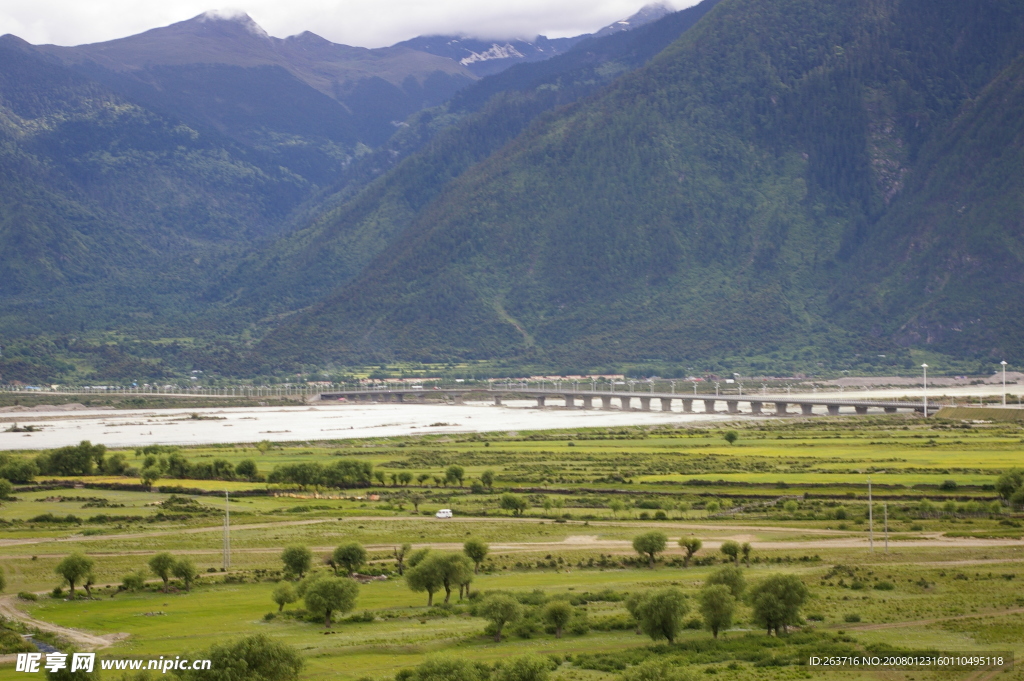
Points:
(954, 562)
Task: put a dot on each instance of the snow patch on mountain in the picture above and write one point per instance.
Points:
(496, 51)
(237, 16)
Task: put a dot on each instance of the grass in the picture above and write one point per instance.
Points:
(648, 468)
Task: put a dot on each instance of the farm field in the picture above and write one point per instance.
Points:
(946, 565)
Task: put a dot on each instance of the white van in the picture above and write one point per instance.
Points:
(444, 513)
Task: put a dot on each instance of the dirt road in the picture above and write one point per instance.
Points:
(83, 640)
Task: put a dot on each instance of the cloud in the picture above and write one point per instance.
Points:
(367, 23)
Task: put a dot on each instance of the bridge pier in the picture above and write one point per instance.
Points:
(861, 410)
(732, 406)
(890, 410)
(540, 401)
(833, 409)
(588, 402)
(780, 409)
(755, 407)
(421, 398)
(624, 403)
(497, 400)
(666, 404)
(606, 402)
(687, 406)
(807, 409)
(709, 406)
(645, 404)
(570, 402)
(457, 397)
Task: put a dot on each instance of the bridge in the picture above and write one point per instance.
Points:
(625, 400)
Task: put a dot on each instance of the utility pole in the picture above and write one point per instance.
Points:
(227, 533)
(1004, 381)
(885, 510)
(925, 368)
(871, 519)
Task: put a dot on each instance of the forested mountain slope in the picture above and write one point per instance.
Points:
(768, 183)
(342, 232)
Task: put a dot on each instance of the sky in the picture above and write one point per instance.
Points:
(365, 23)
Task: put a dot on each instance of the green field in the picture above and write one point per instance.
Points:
(954, 561)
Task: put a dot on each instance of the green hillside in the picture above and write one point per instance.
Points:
(756, 189)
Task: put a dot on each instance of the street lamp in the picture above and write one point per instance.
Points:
(924, 367)
(1004, 381)
(716, 388)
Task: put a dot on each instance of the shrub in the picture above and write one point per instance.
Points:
(851, 617)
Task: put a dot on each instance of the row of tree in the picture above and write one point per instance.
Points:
(650, 545)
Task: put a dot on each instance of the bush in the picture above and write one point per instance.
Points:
(885, 586)
(27, 596)
(851, 617)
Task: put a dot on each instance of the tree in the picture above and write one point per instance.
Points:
(417, 557)
(329, 595)
(500, 610)
(729, 576)
(405, 477)
(400, 553)
(149, 475)
(691, 545)
(525, 668)
(5, 489)
(349, 557)
(731, 550)
(477, 550)
(731, 436)
(745, 549)
(455, 474)
(447, 668)
(253, 658)
(557, 614)
(297, 560)
(487, 478)
(717, 606)
(416, 499)
(425, 576)
(650, 544)
(381, 477)
(246, 468)
(283, 594)
(3, 581)
(87, 583)
(422, 478)
(161, 564)
(453, 569)
(514, 503)
(776, 602)
(661, 613)
(185, 570)
(616, 507)
(790, 506)
(134, 581)
(1010, 486)
(73, 568)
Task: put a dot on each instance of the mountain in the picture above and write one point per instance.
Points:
(488, 57)
(343, 231)
(791, 179)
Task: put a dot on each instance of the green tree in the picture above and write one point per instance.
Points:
(88, 582)
(558, 613)
(400, 553)
(790, 506)
(416, 499)
(381, 477)
(616, 507)
(328, 595)
(425, 575)
(632, 604)
(135, 581)
(731, 436)
(524, 668)
(246, 468)
(650, 544)
(477, 550)
(500, 610)
(717, 606)
(745, 549)
(776, 602)
(405, 477)
(661, 613)
(349, 557)
(487, 478)
(162, 564)
(263, 446)
(5, 489)
(691, 545)
(454, 569)
(283, 594)
(729, 576)
(1010, 486)
(185, 570)
(149, 475)
(297, 560)
(3, 580)
(455, 474)
(422, 478)
(74, 568)
(252, 658)
(514, 503)
(447, 668)
(731, 550)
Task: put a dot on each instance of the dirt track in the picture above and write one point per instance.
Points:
(81, 639)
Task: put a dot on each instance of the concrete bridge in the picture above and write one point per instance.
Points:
(627, 400)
